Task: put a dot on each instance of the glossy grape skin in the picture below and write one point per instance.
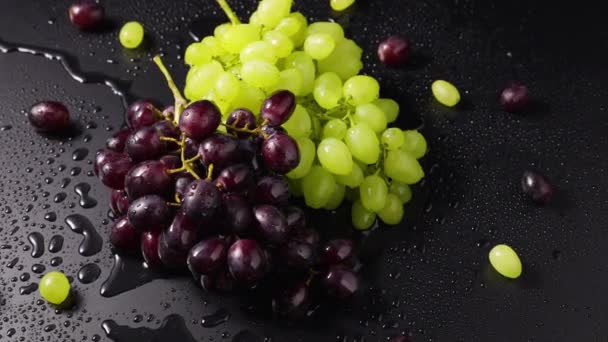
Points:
(149, 212)
(148, 178)
(339, 251)
(171, 258)
(240, 118)
(340, 282)
(149, 248)
(271, 224)
(296, 218)
(86, 15)
(190, 148)
(277, 108)
(101, 157)
(505, 261)
(119, 202)
(114, 169)
(308, 235)
(235, 178)
(201, 201)
(166, 128)
(55, 288)
(49, 117)
(298, 255)
(272, 190)
(394, 51)
(171, 161)
(145, 144)
(118, 141)
(238, 214)
(247, 261)
(292, 303)
(208, 256)
(200, 119)
(182, 182)
(536, 187)
(141, 113)
(514, 98)
(280, 153)
(124, 236)
(219, 150)
(182, 234)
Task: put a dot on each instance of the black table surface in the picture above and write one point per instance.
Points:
(429, 277)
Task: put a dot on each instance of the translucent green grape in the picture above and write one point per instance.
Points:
(328, 90)
(345, 60)
(373, 193)
(402, 191)
(307, 157)
(353, 179)
(289, 79)
(220, 30)
(363, 143)
(341, 5)
(259, 51)
(283, 46)
(318, 186)
(334, 128)
(392, 138)
(362, 218)
(335, 156)
(54, 287)
(319, 45)
(271, 12)
(392, 213)
(361, 89)
(213, 45)
(371, 115)
(226, 87)
(131, 35)
(336, 198)
(401, 166)
(260, 74)
(236, 37)
(334, 30)
(389, 107)
(299, 124)
(445, 93)
(301, 61)
(197, 54)
(505, 261)
(201, 79)
(415, 143)
(248, 97)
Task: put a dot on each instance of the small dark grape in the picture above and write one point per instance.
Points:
(149, 178)
(182, 234)
(277, 109)
(201, 201)
(341, 282)
(280, 153)
(101, 157)
(145, 144)
(537, 187)
(114, 169)
(238, 215)
(149, 248)
(339, 251)
(514, 98)
(219, 150)
(292, 303)
(235, 178)
(118, 141)
(200, 119)
(86, 15)
(149, 212)
(181, 184)
(207, 256)
(124, 236)
(298, 255)
(119, 202)
(240, 118)
(171, 258)
(142, 113)
(271, 223)
(247, 261)
(49, 117)
(272, 190)
(394, 51)
(171, 161)
(296, 219)
(166, 128)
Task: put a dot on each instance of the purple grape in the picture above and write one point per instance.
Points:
(142, 113)
(201, 201)
(271, 224)
(182, 234)
(86, 15)
(145, 144)
(171, 162)
(101, 157)
(339, 251)
(149, 248)
(114, 169)
(208, 256)
(149, 178)
(220, 150)
(124, 236)
(240, 118)
(292, 303)
(118, 141)
(49, 117)
(149, 212)
(272, 190)
(190, 148)
(296, 219)
(277, 109)
(119, 202)
(341, 282)
(280, 153)
(298, 255)
(181, 184)
(235, 178)
(514, 98)
(249, 148)
(394, 51)
(308, 235)
(166, 128)
(247, 261)
(238, 215)
(536, 187)
(169, 112)
(200, 119)
(171, 258)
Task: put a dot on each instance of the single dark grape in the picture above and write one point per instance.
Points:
(280, 153)
(537, 187)
(181, 184)
(118, 141)
(292, 303)
(235, 178)
(49, 117)
(238, 215)
(272, 190)
(514, 98)
(308, 235)
(271, 224)
(124, 236)
(86, 15)
(114, 169)
(296, 218)
(171, 258)
(341, 282)
(103, 156)
(338, 251)
(240, 118)
(277, 109)
(182, 234)
(248, 147)
(149, 248)
(149, 212)
(142, 113)
(200, 119)
(247, 261)
(394, 51)
(166, 128)
(201, 201)
(220, 150)
(190, 148)
(208, 256)
(145, 144)
(119, 202)
(149, 178)
(298, 255)
(171, 161)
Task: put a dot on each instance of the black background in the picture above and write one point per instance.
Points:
(430, 278)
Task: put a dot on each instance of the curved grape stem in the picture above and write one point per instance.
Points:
(229, 12)
(180, 101)
(209, 173)
(186, 163)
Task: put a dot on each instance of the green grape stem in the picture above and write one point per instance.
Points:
(229, 12)
(186, 163)
(180, 101)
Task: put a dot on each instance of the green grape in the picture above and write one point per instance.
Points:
(363, 143)
(255, 19)
(214, 46)
(299, 124)
(415, 143)
(389, 107)
(54, 287)
(334, 128)
(197, 54)
(352, 180)
(345, 60)
(318, 186)
(220, 30)
(371, 115)
(258, 51)
(361, 89)
(362, 218)
(328, 90)
(201, 79)
(505, 261)
(289, 26)
(238, 36)
(283, 46)
(351, 194)
(373, 193)
(336, 198)
(402, 191)
(401, 166)
(307, 157)
(392, 213)
(248, 97)
(392, 138)
(325, 27)
(260, 74)
(340, 5)
(226, 87)
(289, 79)
(131, 35)
(335, 156)
(270, 12)
(301, 61)
(295, 186)
(319, 45)
(299, 37)
(445, 93)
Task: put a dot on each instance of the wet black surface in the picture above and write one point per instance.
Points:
(430, 277)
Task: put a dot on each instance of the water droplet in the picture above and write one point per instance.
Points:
(56, 243)
(75, 171)
(5, 128)
(127, 274)
(213, 320)
(86, 201)
(27, 289)
(56, 261)
(173, 328)
(80, 154)
(64, 183)
(12, 263)
(49, 328)
(91, 243)
(89, 273)
(51, 217)
(38, 268)
(37, 241)
(60, 197)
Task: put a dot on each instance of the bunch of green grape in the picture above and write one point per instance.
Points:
(347, 149)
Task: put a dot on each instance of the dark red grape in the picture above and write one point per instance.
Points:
(166, 128)
(271, 223)
(142, 113)
(145, 144)
(207, 256)
(272, 190)
(514, 98)
(149, 248)
(181, 184)
(537, 187)
(149, 178)
(119, 202)
(338, 251)
(201, 201)
(171, 162)
(118, 141)
(200, 119)
(238, 215)
(280, 153)
(171, 258)
(298, 255)
(394, 51)
(114, 169)
(86, 15)
(190, 148)
(341, 282)
(277, 109)
(124, 236)
(247, 261)
(296, 219)
(308, 235)
(102, 156)
(49, 117)
(240, 118)
(292, 303)
(182, 234)
(235, 178)
(219, 150)
(249, 148)
(149, 212)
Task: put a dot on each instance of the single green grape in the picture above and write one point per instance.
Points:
(220, 30)
(248, 97)
(389, 107)
(373, 193)
(271, 12)
(335, 156)
(259, 51)
(445, 93)
(319, 45)
(345, 60)
(226, 87)
(341, 5)
(54, 287)
(401, 166)
(392, 213)
(334, 30)
(318, 186)
(334, 128)
(283, 46)
(505, 261)
(197, 54)
(307, 157)
(299, 37)
(301, 61)
(336, 198)
(260, 74)
(361, 89)
(363, 143)
(255, 19)
(352, 180)
(392, 138)
(362, 218)
(289, 26)
(371, 115)
(299, 124)
(415, 143)
(402, 190)
(328, 90)
(236, 37)
(131, 35)
(213, 45)
(201, 79)
(289, 79)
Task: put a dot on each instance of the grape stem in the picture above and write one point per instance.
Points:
(186, 163)
(180, 102)
(229, 12)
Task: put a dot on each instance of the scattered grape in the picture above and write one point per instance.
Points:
(514, 98)
(49, 117)
(536, 187)
(394, 51)
(86, 15)
(54, 287)
(131, 35)
(445, 93)
(505, 261)
(341, 5)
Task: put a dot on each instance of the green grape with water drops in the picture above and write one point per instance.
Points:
(328, 90)
(389, 107)
(402, 190)
(361, 89)
(335, 156)
(392, 138)
(363, 143)
(319, 45)
(334, 128)
(401, 166)
(353, 179)
(371, 115)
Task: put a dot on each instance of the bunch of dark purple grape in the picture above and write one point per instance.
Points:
(190, 197)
